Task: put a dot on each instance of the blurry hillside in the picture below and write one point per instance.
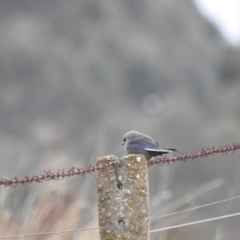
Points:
(76, 75)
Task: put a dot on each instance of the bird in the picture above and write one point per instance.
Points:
(139, 143)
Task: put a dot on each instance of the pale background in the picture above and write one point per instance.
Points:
(76, 75)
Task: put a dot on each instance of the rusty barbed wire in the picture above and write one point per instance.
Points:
(204, 153)
(61, 174)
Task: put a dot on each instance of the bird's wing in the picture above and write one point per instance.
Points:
(149, 145)
(141, 145)
(155, 147)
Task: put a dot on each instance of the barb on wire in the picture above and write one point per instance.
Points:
(61, 174)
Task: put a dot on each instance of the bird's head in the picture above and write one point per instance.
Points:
(129, 136)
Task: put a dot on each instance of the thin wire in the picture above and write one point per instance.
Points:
(191, 209)
(196, 222)
(48, 233)
(91, 229)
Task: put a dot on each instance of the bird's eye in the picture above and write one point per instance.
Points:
(124, 140)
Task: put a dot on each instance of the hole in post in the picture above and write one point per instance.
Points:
(121, 222)
(119, 185)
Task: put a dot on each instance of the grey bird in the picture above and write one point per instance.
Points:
(139, 143)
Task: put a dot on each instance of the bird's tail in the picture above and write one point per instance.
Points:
(171, 149)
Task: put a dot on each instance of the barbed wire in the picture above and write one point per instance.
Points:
(204, 153)
(61, 174)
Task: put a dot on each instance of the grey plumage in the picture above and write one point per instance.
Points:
(139, 143)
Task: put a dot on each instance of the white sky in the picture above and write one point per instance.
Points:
(225, 14)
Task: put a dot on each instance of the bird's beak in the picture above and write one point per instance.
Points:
(123, 143)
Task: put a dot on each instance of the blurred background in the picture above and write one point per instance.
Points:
(75, 76)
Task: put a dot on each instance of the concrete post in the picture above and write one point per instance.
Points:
(123, 199)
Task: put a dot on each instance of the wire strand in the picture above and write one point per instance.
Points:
(194, 208)
(49, 233)
(196, 222)
(152, 231)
